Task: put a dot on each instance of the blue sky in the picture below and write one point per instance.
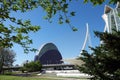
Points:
(68, 42)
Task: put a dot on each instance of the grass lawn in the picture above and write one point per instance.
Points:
(4, 77)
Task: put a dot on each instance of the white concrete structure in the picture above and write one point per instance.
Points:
(81, 75)
(68, 73)
(74, 61)
(86, 38)
(112, 18)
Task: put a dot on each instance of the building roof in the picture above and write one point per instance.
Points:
(107, 9)
(74, 61)
(46, 47)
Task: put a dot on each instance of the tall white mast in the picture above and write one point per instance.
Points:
(86, 38)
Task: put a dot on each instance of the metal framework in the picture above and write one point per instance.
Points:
(112, 18)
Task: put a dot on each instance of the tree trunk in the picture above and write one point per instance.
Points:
(1, 68)
(1, 65)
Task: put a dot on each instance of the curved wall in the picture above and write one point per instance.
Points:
(49, 54)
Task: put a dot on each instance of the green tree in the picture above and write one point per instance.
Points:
(99, 2)
(7, 57)
(104, 62)
(32, 66)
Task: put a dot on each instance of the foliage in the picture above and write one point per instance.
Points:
(17, 33)
(7, 57)
(99, 2)
(104, 62)
(32, 66)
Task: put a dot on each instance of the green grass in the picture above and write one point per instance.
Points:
(4, 77)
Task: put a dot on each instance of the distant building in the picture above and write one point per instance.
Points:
(49, 54)
(112, 18)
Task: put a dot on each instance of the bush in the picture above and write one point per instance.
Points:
(32, 66)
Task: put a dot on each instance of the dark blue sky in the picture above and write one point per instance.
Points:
(68, 42)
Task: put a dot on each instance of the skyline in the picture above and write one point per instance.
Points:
(68, 42)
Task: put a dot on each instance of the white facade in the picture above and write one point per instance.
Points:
(112, 18)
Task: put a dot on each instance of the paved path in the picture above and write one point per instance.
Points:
(49, 76)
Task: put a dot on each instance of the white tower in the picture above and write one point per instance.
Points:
(112, 18)
(87, 39)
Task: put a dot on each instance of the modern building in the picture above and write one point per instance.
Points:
(49, 54)
(111, 17)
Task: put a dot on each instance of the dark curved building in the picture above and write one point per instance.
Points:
(49, 54)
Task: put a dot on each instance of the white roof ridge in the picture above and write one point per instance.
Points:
(107, 8)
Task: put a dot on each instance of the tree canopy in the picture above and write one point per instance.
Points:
(99, 2)
(104, 62)
(32, 66)
(7, 57)
(18, 33)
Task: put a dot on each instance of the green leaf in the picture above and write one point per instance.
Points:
(30, 42)
(72, 13)
(13, 19)
(63, 0)
(60, 22)
(119, 14)
(65, 6)
(85, 1)
(19, 35)
(67, 21)
(74, 29)
(15, 7)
